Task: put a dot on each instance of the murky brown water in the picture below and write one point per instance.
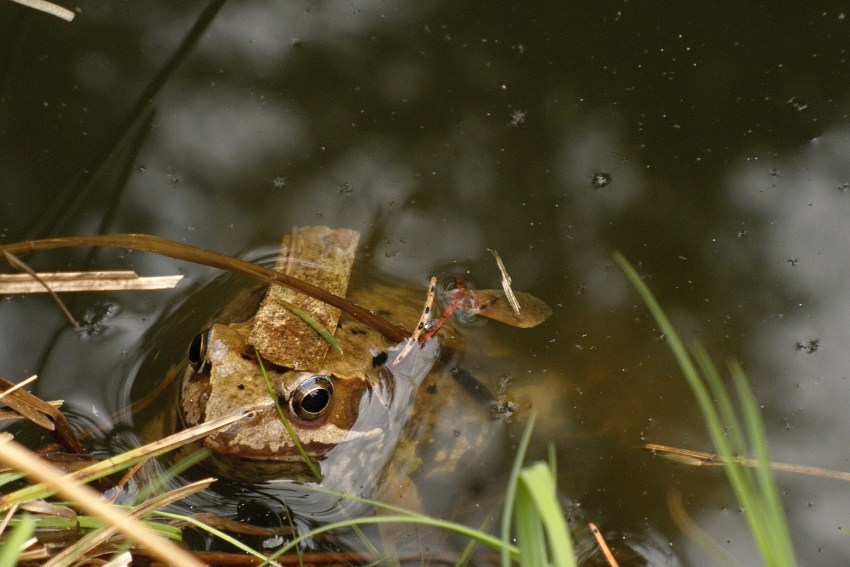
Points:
(709, 146)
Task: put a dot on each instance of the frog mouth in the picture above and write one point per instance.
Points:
(260, 465)
(238, 442)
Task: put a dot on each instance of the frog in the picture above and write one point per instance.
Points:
(356, 400)
(347, 407)
(369, 416)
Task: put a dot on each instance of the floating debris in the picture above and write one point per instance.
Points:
(506, 284)
(600, 179)
(111, 280)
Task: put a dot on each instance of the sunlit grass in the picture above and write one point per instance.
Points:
(732, 436)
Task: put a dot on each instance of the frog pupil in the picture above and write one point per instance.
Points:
(315, 401)
(312, 398)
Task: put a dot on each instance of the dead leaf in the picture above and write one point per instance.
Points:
(317, 255)
(493, 304)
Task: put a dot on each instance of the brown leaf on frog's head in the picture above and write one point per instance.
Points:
(494, 304)
(317, 255)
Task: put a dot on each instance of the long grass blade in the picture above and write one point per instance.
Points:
(180, 251)
(16, 541)
(314, 469)
(510, 493)
(530, 536)
(15, 454)
(756, 492)
(540, 489)
(779, 535)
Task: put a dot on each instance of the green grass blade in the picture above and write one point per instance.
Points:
(539, 487)
(14, 542)
(315, 325)
(530, 536)
(741, 478)
(314, 470)
(726, 409)
(219, 534)
(756, 491)
(779, 535)
(510, 493)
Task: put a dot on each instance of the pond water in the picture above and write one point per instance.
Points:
(709, 145)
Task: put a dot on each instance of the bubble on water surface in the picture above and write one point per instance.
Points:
(600, 179)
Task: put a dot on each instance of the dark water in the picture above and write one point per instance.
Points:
(707, 144)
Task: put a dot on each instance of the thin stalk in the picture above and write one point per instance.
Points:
(314, 470)
(165, 247)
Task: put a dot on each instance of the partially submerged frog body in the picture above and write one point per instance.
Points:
(345, 402)
(354, 412)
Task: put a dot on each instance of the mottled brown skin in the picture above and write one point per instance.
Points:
(232, 382)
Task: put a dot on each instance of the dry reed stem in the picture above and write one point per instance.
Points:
(600, 540)
(22, 459)
(700, 459)
(95, 280)
(48, 8)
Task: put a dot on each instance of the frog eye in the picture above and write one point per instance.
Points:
(198, 351)
(312, 398)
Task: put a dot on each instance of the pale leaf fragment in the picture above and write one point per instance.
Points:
(506, 284)
(48, 8)
(110, 280)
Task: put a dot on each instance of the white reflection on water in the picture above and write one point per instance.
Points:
(800, 362)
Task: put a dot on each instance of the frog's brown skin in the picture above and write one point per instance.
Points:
(232, 382)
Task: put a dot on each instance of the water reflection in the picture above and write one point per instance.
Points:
(440, 131)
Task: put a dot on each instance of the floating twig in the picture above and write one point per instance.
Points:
(62, 282)
(425, 318)
(19, 385)
(165, 247)
(42, 285)
(700, 459)
(41, 413)
(600, 540)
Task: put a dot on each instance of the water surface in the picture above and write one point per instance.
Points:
(708, 145)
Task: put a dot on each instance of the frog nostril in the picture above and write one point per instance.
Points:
(198, 351)
(312, 398)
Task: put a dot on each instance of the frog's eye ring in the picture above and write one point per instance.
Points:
(312, 398)
(198, 351)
